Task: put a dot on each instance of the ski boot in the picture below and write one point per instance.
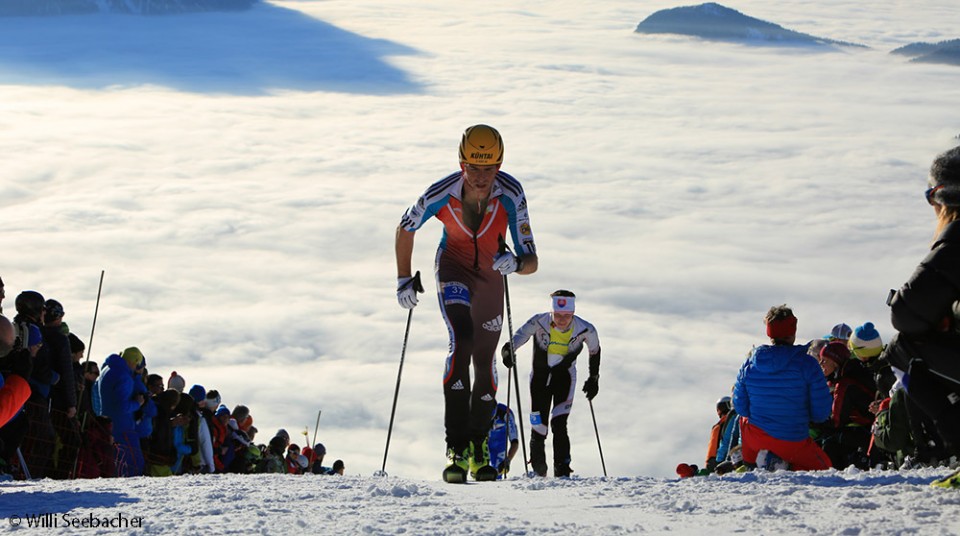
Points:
(480, 468)
(725, 467)
(457, 465)
(538, 458)
(771, 462)
(562, 470)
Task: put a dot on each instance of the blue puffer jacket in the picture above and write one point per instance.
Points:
(781, 390)
(115, 386)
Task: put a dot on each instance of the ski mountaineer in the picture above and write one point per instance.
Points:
(559, 337)
(477, 206)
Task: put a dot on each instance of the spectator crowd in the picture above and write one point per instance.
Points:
(65, 417)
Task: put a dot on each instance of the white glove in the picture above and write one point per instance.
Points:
(506, 263)
(406, 292)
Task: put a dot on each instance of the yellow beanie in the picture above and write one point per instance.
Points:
(132, 356)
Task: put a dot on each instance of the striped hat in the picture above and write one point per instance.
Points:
(865, 342)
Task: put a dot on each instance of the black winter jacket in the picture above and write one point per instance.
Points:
(925, 309)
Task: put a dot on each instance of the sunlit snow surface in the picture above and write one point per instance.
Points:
(831, 502)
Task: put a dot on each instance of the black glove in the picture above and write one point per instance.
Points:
(504, 467)
(591, 387)
(507, 356)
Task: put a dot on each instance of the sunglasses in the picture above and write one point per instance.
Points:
(929, 193)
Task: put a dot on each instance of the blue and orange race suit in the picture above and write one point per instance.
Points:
(471, 293)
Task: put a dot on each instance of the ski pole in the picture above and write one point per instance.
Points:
(596, 431)
(23, 465)
(96, 309)
(513, 355)
(406, 335)
(83, 420)
(506, 431)
(316, 427)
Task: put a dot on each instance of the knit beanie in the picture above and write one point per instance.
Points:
(198, 393)
(76, 345)
(836, 352)
(866, 343)
(176, 382)
(133, 356)
(945, 178)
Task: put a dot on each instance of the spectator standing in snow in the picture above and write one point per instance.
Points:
(779, 391)
(39, 441)
(15, 367)
(559, 337)
(478, 204)
(119, 400)
(63, 395)
(926, 311)
(177, 383)
(203, 459)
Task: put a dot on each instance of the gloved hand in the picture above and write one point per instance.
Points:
(591, 387)
(507, 356)
(506, 263)
(407, 289)
(504, 467)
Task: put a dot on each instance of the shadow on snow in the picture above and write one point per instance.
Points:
(25, 503)
(252, 52)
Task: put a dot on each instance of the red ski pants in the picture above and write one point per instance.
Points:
(803, 455)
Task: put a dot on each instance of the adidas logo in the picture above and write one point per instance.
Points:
(486, 398)
(457, 386)
(494, 325)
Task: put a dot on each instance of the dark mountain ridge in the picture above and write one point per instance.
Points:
(713, 21)
(946, 52)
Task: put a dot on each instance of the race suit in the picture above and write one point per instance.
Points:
(471, 293)
(553, 379)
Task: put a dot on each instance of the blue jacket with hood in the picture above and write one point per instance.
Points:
(116, 389)
(781, 390)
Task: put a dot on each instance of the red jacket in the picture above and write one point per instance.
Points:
(13, 395)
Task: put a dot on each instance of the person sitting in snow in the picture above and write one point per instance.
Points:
(272, 459)
(295, 462)
(337, 468)
(779, 391)
(723, 452)
(847, 437)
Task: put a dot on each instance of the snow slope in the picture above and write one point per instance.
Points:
(847, 503)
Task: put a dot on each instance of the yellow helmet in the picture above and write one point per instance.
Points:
(481, 145)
